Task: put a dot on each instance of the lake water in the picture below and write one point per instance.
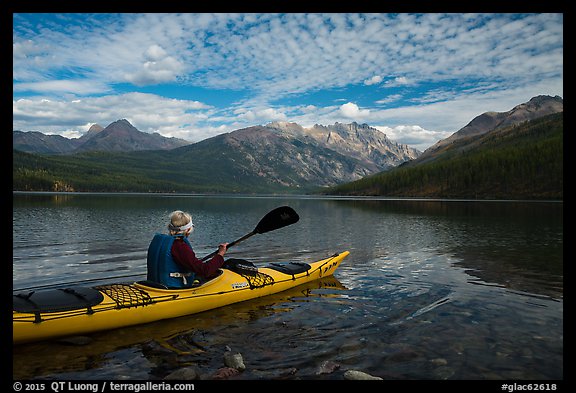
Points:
(431, 290)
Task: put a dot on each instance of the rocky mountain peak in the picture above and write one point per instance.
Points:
(120, 126)
(121, 135)
(361, 141)
(285, 126)
(545, 101)
(351, 127)
(92, 131)
(95, 128)
(536, 107)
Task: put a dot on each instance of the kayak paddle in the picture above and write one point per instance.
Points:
(275, 219)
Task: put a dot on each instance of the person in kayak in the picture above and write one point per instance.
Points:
(171, 259)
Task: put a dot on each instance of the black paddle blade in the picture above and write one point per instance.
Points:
(278, 218)
(275, 219)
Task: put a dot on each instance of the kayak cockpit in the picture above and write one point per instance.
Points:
(290, 268)
(199, 281)
(243, 266)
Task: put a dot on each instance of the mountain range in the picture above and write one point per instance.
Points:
(279, 157)
(278, 154)
(119, 136)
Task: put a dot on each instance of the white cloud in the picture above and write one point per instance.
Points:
(352, 111)
(147, 112)
(82, 87)
(389, 99)
(274, 55)
(158, 67)
(259, 116)
(154, 53)
(309, 109)
(474, 63)
(398, 81)
(413, 135)
(373, 81)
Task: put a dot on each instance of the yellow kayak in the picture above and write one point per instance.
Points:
(46, 314)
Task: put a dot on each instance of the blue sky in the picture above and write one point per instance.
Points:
(416, 77)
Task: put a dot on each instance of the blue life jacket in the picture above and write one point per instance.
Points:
(162, 268)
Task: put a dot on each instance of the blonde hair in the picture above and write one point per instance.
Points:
(180, 222)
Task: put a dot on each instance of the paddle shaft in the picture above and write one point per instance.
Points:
(275, 219)
(229, 245)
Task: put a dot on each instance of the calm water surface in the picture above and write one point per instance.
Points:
(431, 289)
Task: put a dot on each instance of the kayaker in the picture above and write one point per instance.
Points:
(180, 267)
(181, 224)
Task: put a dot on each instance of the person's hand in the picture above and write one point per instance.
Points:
(222, 248)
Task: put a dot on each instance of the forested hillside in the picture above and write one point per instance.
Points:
(86, 172)
(517, 162)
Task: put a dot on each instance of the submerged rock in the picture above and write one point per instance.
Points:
(225, 373)
(327, 367)
(359, 375)
(439, 362)
(185, 373)
(75, 340)
(234, 360)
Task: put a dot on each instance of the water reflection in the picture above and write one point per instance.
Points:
(434, 289)
(514, 245)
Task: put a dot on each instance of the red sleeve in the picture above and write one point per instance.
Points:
(185, 257)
